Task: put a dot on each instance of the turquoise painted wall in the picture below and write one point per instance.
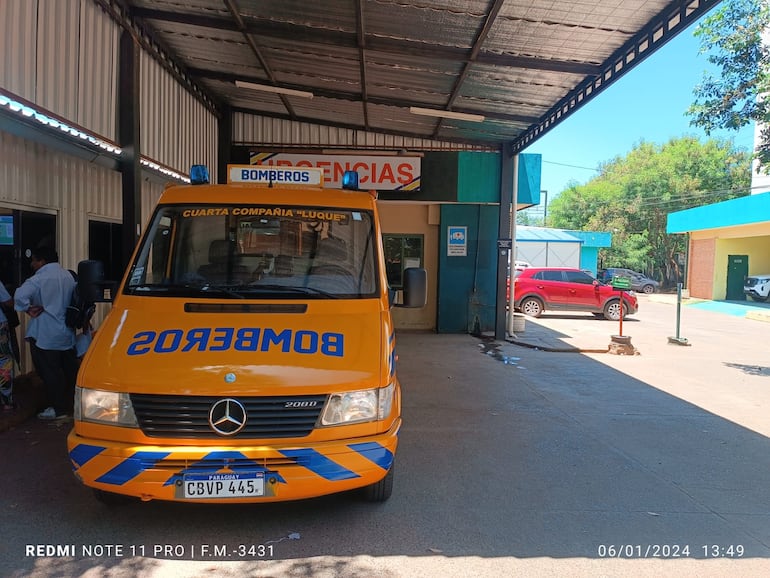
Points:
(467, 286)
(470, 177)
(589, 257)
(530, 166)
(478, 177)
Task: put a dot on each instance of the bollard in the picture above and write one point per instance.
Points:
(678, 340)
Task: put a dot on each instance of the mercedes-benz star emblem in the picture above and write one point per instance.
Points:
(227, 416)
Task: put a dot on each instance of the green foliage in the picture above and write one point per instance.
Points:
(522, 218)
(732, 39)
(632, 197)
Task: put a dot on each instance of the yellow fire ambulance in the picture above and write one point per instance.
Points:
(249, 353)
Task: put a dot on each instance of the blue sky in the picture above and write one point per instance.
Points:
(648, 103)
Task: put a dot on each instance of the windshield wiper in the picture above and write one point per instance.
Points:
(294, 289)
(189, 289)
(218, 288)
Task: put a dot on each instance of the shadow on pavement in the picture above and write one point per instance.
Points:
(554, 457)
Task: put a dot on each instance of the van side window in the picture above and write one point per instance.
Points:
(401, 252)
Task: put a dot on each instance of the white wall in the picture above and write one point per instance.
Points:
(549, 254)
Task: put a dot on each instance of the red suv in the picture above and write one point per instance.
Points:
(539, 288)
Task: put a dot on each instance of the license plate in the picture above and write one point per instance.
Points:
(240, 485)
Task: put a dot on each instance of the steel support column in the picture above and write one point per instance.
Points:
(128, 139)
(224, 143)
(504, 232)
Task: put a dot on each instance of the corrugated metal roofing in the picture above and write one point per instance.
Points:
(523, 65)
(532, 234)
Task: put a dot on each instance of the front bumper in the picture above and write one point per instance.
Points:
(754, 293)
(290, 472)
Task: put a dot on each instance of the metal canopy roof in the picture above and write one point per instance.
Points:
(523, 65)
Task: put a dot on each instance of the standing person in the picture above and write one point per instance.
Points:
(7, 355)
(45, 297)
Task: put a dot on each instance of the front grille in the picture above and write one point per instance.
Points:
(216, 464)
(181, 416)
(751, 281)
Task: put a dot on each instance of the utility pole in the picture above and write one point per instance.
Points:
(545, 208)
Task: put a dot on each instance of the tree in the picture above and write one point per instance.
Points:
(732, 39)
(632, 197)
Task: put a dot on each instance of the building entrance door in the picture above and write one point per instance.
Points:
(737, 271)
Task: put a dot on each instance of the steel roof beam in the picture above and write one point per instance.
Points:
(235, 12)
(126, 19)
(206, 74)
(361, 38)
(301, 33)
(475, 50)
(475, 144)
(679, 16)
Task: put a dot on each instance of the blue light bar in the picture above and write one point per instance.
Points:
(199, 175)
(350, 180)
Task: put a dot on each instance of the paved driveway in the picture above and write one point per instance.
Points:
(552, 464)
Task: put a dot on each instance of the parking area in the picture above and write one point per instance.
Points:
(513, 460)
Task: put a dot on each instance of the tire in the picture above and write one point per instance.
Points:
(648, 289)
(111, 499)
(531, 306)
(380, 491)
(612, 310)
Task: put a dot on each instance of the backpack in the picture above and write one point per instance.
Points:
(80, 310)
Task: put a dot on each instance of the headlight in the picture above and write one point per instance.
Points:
(358, 406)
(108, 407)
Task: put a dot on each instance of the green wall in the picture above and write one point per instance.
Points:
(471, 177)
(467, 285)
(478, 177)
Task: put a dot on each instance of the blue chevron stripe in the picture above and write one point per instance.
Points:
(320, 464)
(83, 453)
(375, 453)
(131, 467)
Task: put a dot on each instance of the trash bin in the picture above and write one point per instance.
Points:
(516, 323)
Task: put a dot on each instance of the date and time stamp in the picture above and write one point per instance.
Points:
(268, 551)
(671, 551)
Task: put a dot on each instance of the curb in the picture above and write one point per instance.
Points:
(565, 349)
(758, 316)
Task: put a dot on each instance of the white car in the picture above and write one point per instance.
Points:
(520, 265)
(757, 287)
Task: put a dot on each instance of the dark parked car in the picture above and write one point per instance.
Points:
(537, 289)
(639, 281)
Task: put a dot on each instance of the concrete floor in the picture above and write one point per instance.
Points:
(551, 464)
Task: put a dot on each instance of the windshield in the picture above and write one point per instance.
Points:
(254, 251)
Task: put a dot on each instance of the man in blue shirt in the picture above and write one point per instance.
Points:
(45, 297)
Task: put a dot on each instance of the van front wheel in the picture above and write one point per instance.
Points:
(380, 491)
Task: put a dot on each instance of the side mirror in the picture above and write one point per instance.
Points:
(91, 284)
